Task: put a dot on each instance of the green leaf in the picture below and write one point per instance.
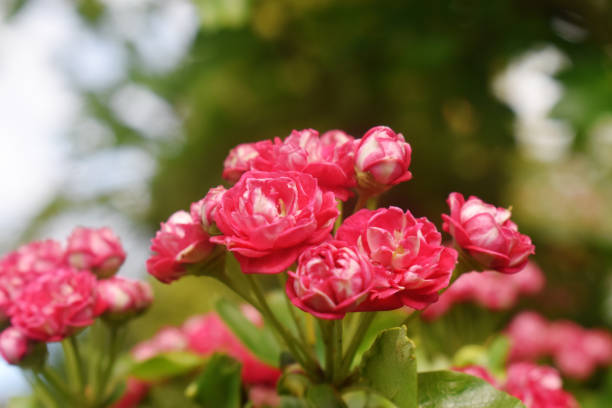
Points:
(366, 399)
(381, 322)
(389, 367)
(219, 384)
(167, 365)
(259, 340)
(498, 354)
(449, 389)
(292, 402)
(324, 396)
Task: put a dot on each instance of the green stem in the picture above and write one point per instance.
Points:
(73, 364)
(42, 392)
(365, 321)
(362, 200)
(56, 383)
(296, 320)
(337, 350)
(108, 369)
(339, 219)
(328, 332)
(290, 341)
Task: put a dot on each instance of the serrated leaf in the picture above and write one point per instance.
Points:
(389, 367)
(259, 340)
(218, 386)
(167, 365)
(449, 389)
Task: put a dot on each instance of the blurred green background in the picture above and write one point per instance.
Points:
(507, 100)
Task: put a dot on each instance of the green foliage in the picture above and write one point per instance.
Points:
(448, 389)
(324, 396)
(389, 367)
(260, 341)
(166, 365)
(219, 384)
(366, 399)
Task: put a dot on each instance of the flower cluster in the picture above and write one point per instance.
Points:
(575, 350)
(536, 386)
(284, 205)
(205, 335)
(488, 289)
(49, 292)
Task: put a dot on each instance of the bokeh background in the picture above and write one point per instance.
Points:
(120, 112)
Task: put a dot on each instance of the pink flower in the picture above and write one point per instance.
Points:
(208, 334)
(14, 345)
(39, 257)
(135, 391)
(331, 279)
(241, 157)
(538, 386)
(330, 159)
(121, 298)
(96, 250)
(598, 344)
(568, 347)
(205, 210)
(20, 267)
(487, 234)
(382, 159)
(478, 371)
(529, 336)
(166, 340)
(180, 242)
(56, 305)
(267, 219)
(411, 264)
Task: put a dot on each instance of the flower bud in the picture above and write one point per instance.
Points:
(331, 280)
(241, 157)
(206, 209)
(18, 349)
(487, 234)
(180, 242)
(97, 250)
(121, 299)
(382, 160)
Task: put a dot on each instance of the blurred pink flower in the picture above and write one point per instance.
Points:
(56, 305)
(96, 250)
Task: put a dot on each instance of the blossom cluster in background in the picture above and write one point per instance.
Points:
(205, 335)
(489, 289)
(536, 386)
(49, 292)
(575, 350)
